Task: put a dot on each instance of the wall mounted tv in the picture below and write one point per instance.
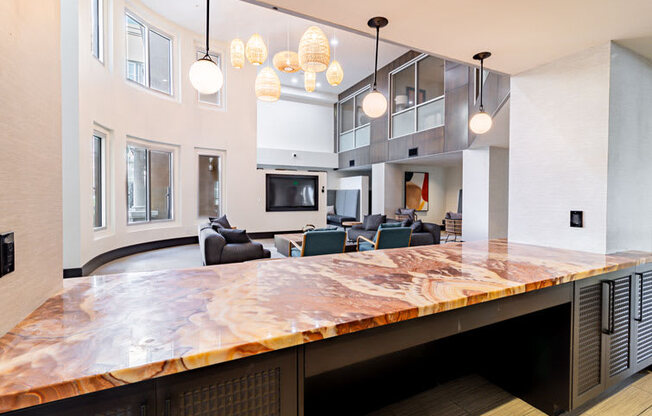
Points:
(292, 192)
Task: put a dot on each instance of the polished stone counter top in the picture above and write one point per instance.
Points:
(106, 331)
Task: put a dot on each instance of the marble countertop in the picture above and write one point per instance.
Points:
(106, 331)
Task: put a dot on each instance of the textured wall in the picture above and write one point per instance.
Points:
(30, 155)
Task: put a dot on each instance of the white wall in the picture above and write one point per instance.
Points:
(558, 152)
(124, 110)
(629, 196)
(30, 154)
(452, 188)
(288, 127)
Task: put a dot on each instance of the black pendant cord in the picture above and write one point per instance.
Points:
(208, 19)
(481, 83)
(376, 62)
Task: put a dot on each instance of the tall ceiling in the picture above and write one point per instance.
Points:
(235, 18)
(521, 34)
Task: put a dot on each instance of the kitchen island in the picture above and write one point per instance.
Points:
(262, 337)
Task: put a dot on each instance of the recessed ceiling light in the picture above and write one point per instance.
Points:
(294, 80)
(318, 84)
(334, 42)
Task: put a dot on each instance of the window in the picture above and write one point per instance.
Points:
(354, 128)
(149, 56)
(417, 96)
(99, 191)
(97, 28)
(215, 99)
(210, 181)
(149, 184)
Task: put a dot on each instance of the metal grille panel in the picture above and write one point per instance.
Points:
(620, 340)
(257, 394)
(590, 338)
(644, 342)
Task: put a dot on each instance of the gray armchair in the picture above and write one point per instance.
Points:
(215, 250)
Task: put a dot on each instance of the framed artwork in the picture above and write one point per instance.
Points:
(416, 191)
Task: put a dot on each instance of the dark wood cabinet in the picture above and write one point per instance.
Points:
(603, 334)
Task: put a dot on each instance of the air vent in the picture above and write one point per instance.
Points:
(644, 342)
(619, 343)
(589, 350)
(413, 152)
(351, 162)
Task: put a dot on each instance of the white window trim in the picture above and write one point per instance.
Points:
(200, 151)
(104, 176)
(355, 128)
(162, 147)
(101, 22)
(416, 105)
(149, 28)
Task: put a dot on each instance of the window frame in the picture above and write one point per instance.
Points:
(148, 79)
(221, 154)
(103, 177)
(200, 52)
(99, 19)
(150, 147)
(390, 125)
(359, 94)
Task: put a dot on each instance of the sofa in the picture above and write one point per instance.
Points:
(346, 204)
(427, 234)
(215, 249)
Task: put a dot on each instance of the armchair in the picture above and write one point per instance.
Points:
(389, 235)
(318, 242)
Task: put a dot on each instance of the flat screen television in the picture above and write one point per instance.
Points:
(291, 192)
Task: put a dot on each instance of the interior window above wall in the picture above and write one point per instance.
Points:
(148, 55)
(354, 127)
(97, 29)
(216, 98)
(417, 96)
(149, 184)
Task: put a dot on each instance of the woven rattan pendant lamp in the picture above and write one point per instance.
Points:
(256, 51)
(237, 53)
(314, 50)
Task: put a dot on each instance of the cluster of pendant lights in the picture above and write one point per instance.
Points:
(314, 56)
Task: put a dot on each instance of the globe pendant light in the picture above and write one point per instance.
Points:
(286, 61)
(309, 81)
(256, 51)
(481, 122)
(314, 50)
(268, 85)
(205, 76)
(334, 73)
(237, 53)
(374, 104)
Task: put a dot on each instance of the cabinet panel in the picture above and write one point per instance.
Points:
(619, 338)
(589, 338)
(258, 386)
(643, 316)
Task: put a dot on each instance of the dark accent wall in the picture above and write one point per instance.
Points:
(452, 136)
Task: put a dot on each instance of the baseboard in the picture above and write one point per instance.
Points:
(104, 258)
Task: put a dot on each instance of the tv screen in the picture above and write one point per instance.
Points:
(292, 192)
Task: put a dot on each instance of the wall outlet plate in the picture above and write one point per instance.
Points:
(577, 219)
(7, 255)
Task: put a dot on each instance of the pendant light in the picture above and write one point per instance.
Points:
(374, 104)
(268, 85)
(287, 61)
(334, 73)
(314, 50)
(205, 76)
(309, 81)
(256, 51)
(481, 122)
(237, 53)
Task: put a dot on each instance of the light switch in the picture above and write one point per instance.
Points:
(577, 219)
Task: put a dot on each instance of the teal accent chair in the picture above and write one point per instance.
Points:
(389, 235)
(318, 242)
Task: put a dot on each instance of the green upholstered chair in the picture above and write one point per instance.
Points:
(389, 235)
(318, 242)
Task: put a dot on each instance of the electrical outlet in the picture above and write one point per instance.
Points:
(7, 256)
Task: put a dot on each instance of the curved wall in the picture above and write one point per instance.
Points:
(103, 100)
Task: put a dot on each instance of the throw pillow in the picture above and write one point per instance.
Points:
(416, 226)
(372, 222)
(330, 210)
(217, 226)
(234, 236)
(406, 222)
(221, 220)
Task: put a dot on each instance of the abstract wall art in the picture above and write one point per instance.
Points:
(416, 190)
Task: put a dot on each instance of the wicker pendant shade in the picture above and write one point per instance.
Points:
(268, 85)
(256, 51)
(287, 61)
(314, 50)
(309, 81)
(237, 53)
(334, 73)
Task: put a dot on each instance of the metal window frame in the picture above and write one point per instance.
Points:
(390, 125)
(103, 167)
(99, 19)
(221, 157)
(150, 28)
(353, 96)
(218, 57)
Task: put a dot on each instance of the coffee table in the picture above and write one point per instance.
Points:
(282, 243)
